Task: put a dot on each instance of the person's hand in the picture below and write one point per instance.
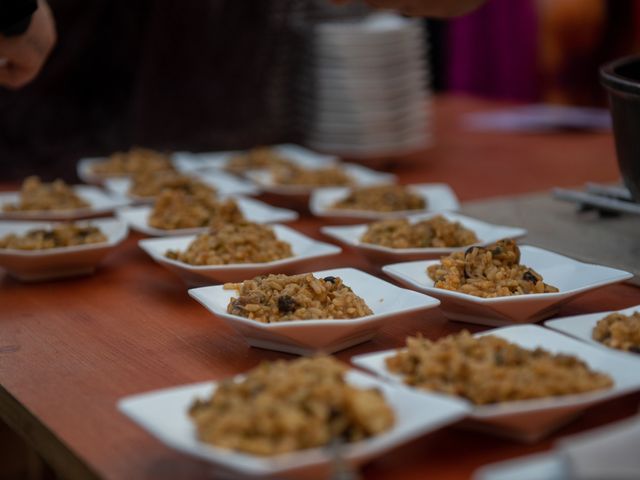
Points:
(22, 56)
(425, 8)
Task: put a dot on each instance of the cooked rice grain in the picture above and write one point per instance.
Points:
(620, 331)
(492, 271)
(382, 198)
(244, 242)
(152, 184)
(135, 161)
(175, 210)
(489, 369)
(281, 407)
(291, 174)
(280, 298)
(37, 195)
(437, 232)
(66, 235)
(256, 158)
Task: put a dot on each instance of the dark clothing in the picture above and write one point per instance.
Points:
(15, 16)
(165, 74)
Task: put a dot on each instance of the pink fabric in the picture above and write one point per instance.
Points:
(493, 51)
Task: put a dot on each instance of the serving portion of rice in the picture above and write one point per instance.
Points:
(489, 369)
(37, 196)
(492, 271)
(382, 198)
(280, 298)
(281, 407)
(64, 235)
(242, 242)
(135, 161)
(291, 174)
(176, 209)
(152, 184)
(436, 232)
(620, 331)
(254, 159)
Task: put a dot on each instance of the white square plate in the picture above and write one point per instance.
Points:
(366, 138)
(224, 183)
(347, 124)
(581, 326)
(438, 196)
(163, 414)
(529, 420)
(539, 466)
(35, 265)
(571, 277)
(253, 210)
(487, 233)
(100, 203)
(306, 337)
(329, 91)
(305, 251)
(361, 176)
(607, 452)
(189, 162)
(84, 169)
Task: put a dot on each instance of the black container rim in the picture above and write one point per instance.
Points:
(616, 82)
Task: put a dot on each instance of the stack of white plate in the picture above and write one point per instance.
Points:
(364, 90)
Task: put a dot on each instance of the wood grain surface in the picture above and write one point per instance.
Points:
(70, 349)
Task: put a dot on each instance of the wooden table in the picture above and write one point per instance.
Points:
(70, 349)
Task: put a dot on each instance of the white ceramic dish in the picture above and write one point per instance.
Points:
(325, 111)
(438, 197)
(163, 414)
(37, 265)
(351, 53)
(363, 84)
(365, 138)
(253, 210)
(487, 233)
(305, 337)
(377, 154)
(382, 22)
(189, 162)
(381, 70)
(343, 125)
(84, 169)
(571, 277)
(100, 203)
(330, 87)
(607, 452)
(356, 149)
(361, 43)
(540, 466)
(404, 47)
(395, 114)
(224, 183)
(408, 86)
(530, 420)
(305, 252)
(365, 43)
(581, 326)
(360, 175)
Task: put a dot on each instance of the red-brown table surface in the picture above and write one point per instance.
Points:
(70, 349)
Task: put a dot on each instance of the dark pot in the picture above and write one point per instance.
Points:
(622, 80)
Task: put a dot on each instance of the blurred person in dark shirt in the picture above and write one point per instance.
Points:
(164, 74)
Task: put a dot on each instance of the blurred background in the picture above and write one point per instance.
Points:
(221, 74)
(205, 75)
